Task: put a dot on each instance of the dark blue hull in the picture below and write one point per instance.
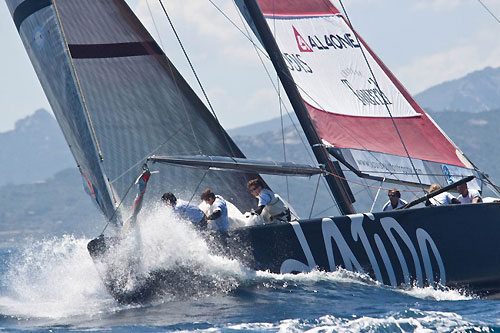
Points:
(454, 246)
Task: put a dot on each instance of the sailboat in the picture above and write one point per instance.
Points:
(123, 106)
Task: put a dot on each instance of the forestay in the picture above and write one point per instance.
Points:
(118, 99)
(349, 113)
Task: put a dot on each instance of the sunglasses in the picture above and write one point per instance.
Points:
(392, 195)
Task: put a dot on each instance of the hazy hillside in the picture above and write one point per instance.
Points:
(56, 206)
(476, 92)
(477, 135)
(34, 150)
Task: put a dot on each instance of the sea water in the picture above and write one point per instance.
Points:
(52, 284)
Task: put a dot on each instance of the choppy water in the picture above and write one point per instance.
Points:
(53, 284)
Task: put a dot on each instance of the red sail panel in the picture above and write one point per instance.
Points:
(297, 7)
(422, 139)
(325, 59)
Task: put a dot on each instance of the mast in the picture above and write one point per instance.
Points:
(339, 189)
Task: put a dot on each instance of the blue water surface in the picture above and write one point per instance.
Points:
(52, 284)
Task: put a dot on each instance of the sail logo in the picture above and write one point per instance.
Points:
(447, 174)
(373, 96)
(301, 42)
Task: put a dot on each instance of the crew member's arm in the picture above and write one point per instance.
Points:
(215, 215)
(264, 199)
(259, 210)
(476, 197)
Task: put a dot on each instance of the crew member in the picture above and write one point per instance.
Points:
(468, 195)
(444, 198)
(270, 206)
(395, 200)
(185, 210)
(218, 219)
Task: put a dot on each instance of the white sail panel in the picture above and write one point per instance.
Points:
(325, 61)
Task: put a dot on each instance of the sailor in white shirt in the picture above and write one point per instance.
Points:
(218, 219)
(395, 200)
(444, 198)
(468, 195)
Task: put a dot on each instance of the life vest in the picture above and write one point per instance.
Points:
(275, 210)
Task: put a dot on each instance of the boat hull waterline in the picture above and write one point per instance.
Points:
(453, 246)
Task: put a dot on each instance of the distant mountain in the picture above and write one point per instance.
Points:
(263, 126)
(476, 92)
(34, 150)
(56, 206)
(477, 135)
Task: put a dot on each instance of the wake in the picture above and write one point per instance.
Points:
(56, 278)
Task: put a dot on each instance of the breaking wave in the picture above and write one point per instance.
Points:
(411, 320)
(56, 278)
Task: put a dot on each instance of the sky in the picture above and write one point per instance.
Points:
(424, 43)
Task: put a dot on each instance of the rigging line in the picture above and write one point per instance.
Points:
(145, 157)
(370, 194)
(276, 89)
(376, 196)
(284, 147)
(489, 11)
(197, 187)
(324, 210)
(118, 207)
(197, 78)
(380, 91)
(314, 198)
(239, 29)
(174, 79)
(298, 87)
(172, 73)
(154, 23)
(281, 109)
(327, 187)
(306, 147)
(494, 188)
